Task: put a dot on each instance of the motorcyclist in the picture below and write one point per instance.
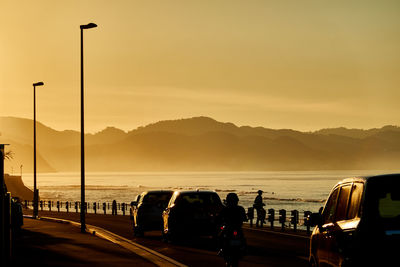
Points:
(233, 215)
(232, 218)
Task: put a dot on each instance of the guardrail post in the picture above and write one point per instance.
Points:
(67, 206)
(123, 208)
(49, 205)
(295, 219)
(58, 206)
(104, 208)
(41, 205)
(76, 206)
(271, 217)
(250, 215)
(94, 207)
(282, 218)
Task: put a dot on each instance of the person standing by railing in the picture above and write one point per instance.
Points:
(114, 207)
(259, 206)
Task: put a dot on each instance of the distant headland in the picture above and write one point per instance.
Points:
(16, 186)
(201, 144)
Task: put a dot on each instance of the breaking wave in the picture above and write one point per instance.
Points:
(296, 199)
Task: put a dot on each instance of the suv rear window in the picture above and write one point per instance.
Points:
(384, 196)
(389, 205)
(154, 198)
(200, 198)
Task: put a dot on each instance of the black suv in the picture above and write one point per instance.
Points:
(360, 224)
(192, 213)
(147, 210)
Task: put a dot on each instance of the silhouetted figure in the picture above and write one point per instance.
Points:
(232, 217)
(259, 206)
(114, 207)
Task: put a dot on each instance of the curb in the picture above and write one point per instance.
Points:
(146, 253)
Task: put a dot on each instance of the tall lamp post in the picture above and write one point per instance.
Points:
(35, 191)
(83, 203)
(4, 215)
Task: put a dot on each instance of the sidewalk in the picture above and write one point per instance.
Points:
(45, 243)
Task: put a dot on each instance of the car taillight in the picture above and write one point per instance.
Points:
(235, 233)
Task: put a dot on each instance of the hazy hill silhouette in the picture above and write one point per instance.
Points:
(204, 144)
(357, 133)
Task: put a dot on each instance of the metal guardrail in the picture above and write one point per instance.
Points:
(75, 206)
(281, 216)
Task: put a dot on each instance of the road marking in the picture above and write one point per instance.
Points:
(147, 253)
(153, 256)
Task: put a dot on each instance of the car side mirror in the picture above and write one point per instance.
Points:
(314, 219)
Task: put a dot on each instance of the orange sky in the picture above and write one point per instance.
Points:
(279, 64)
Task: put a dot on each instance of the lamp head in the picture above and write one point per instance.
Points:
(88, 26)
(38, 84)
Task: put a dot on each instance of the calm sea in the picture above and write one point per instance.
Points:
(301, 190)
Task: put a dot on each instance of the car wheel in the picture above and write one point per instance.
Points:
(137, 231)
(313, 262)
(163, 236)
(169, 236)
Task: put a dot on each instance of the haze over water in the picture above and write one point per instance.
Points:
(301, 190)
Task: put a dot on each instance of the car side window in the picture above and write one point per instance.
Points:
(355, 200)
(341, 209)
(330, 208)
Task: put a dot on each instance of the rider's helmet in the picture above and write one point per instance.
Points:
(259, 192)
(232, 199)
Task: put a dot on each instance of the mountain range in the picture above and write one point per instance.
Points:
(200, 144)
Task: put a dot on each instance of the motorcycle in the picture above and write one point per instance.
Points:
(232, 245)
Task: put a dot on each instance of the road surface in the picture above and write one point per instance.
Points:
(265, 248)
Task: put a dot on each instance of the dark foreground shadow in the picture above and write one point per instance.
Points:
(32, 249)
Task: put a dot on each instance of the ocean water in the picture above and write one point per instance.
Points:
(300, 190)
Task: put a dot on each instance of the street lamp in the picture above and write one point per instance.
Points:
(83, 203)
(35, 191)
(4, 215)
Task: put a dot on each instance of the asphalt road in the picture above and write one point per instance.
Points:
(265, 248)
